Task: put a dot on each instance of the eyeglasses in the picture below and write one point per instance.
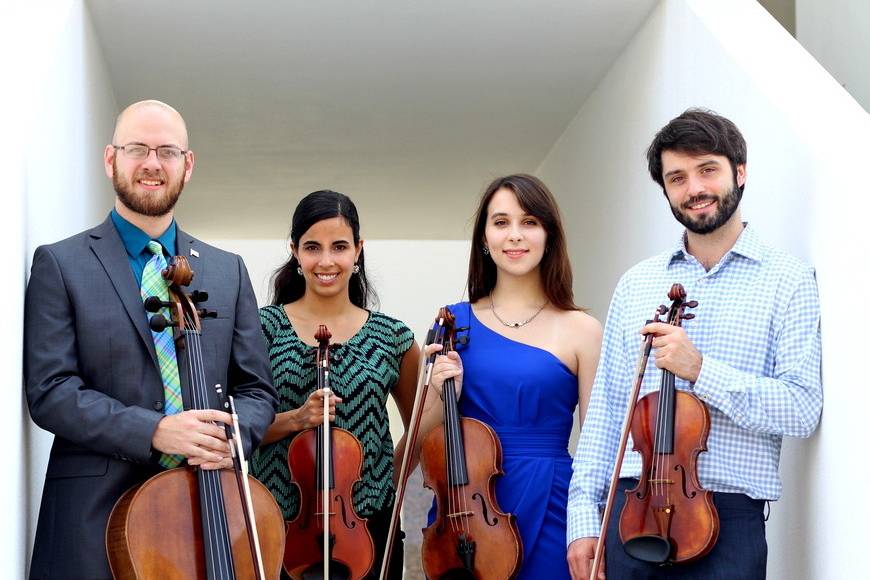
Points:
(139, 151)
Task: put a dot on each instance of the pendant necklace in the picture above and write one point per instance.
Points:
(515, 324)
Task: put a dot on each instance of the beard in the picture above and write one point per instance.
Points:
(726, 206)
(149, 204)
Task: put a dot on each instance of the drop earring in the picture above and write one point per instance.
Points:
(356, 268)
(299, 270)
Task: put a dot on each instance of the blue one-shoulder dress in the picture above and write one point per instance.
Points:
(528, 396)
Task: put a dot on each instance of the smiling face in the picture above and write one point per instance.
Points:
(516, 239)
(702, 189)
(149, 186)
(326, 253)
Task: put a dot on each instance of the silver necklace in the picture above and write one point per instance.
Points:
(515, 324)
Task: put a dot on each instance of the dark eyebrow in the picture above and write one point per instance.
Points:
(504, 214)
(708, 163)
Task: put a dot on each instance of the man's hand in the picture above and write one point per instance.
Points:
(195, 435)
(674, 351)
(581, 553)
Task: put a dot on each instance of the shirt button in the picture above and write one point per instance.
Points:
(158, 405)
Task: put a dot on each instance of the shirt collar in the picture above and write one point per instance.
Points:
(748, 245)
(136, 241)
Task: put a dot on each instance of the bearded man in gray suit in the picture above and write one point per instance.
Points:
(92, 375)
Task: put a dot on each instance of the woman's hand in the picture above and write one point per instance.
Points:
(445, 367)
(311, 413)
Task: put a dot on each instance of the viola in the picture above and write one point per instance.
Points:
(327, 539)
(668, 517)
(460, 459)
(186, 522)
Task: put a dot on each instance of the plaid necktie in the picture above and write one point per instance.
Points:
(153, 284)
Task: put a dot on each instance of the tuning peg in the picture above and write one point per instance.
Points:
(154, 304)
(687, 316)
(198, 296)
(691, 304)
(205, 313)
(158, 323)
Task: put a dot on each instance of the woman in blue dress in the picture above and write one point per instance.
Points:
(530, 359)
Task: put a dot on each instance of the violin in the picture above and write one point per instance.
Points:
(187, 522)
(327, 539)
(668, 517)
(471, 536)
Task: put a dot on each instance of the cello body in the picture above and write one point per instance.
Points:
(189, 523)
(154, 530)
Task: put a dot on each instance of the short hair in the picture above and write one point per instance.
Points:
(697, 131)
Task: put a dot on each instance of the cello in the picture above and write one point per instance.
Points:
(327, 539)
(471, 537)
(668, 518)
(187, 522)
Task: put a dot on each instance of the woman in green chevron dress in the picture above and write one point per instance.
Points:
(324, 282)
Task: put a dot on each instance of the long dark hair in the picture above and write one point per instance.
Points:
(535, 199)
(287, 285)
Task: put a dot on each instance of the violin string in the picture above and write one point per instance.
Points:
(452, 491)
(455, 444)
(215, 514)
(327, 456)
(658, 441)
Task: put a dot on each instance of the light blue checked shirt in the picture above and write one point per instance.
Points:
(757, 327)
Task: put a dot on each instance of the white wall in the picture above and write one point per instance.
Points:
(805, 193)
(66, 115)
(835, 32)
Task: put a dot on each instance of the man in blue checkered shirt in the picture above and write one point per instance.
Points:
(752, 354)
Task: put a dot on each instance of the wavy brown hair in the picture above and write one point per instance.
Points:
(536, 200)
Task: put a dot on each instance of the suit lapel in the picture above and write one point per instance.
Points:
(190, 248)
(109, 249)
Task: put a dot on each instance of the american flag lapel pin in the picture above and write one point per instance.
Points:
(194, 253)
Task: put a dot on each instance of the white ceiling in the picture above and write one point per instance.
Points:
(408, 107)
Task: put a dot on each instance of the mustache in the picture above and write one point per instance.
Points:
(148, 174)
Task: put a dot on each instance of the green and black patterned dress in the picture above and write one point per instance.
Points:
(364, 371)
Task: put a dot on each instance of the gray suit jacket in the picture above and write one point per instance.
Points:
(91, 378)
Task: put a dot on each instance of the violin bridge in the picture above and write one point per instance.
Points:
(665, 481)
(460, 515)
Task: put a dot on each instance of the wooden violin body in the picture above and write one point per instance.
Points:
(471, 537)
(327, 539)
(352, 546)
(460, 459)
(669, 501)
(669, 517)
(154, 530)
